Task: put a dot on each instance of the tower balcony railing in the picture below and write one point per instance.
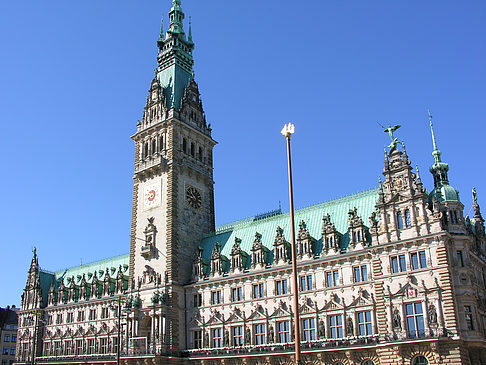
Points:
(282, 347)
(149, 162)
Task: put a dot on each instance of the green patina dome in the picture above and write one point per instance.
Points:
(444, 193)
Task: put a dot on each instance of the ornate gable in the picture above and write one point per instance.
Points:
(258, 313)
(281, 311)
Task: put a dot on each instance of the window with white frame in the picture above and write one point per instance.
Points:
(237, 294)
(237, 332)
(216, 297)
(415, 319)
(198, 339)
(260, 333)
(309, 329)
(258, 290)
(306, 283)
(364, 323)
(398, 263)
(332, 278)
(336, 326)
(197, 300)
(281, 287)
(418, 260)
(283, 331)
(217, 337)
(360, 273)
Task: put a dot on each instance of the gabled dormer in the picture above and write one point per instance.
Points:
(281, 248)
(217, 261)
(357, 230)
(239, 258)
(331, 238)
(259, 253)
(305, 243)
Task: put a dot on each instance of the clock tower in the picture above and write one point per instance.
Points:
(173, 199)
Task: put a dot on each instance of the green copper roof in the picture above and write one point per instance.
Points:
(88, 270)
(245, 230)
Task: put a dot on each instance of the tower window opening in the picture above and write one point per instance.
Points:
(161, 143)
(455, 216)
(399, 220)
(184, 145)
(145, 150)
(193, 149)
(408, 220)
(200, 153)
(154, 146)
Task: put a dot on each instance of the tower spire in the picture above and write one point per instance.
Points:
(436, 152)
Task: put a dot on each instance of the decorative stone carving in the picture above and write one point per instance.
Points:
(331, 238)
(148, 249)
(397, 320)
(305, 243)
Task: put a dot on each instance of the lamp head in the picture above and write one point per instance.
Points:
(288, 130)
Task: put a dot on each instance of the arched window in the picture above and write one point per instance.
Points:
(200, 153)
(193, 149)
(455, 216)
(399, 220)
(184, 145)
(408, 219)
(354, 237)
(420, 360)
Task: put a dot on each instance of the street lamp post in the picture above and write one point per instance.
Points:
(287, 131)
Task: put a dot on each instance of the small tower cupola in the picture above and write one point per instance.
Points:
(439, 170)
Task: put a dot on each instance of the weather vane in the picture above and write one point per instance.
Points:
(390, 130)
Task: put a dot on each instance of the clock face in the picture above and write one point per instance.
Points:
(193, 197)
(151, 196)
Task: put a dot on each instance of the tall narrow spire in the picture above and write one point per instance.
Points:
(189, 36)
(436, 152)
(439, 170)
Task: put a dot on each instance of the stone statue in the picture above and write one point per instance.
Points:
(397, 320)
(226, 339)
(321, 330)
(373, 220)
(247, 337)
(206, 340)
(474, 195)
(271, 334)
(349, 327)
(432, 313)
(390, 130)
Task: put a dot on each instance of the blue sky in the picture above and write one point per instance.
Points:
(74, 78)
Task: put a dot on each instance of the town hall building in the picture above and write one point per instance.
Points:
(393, 275)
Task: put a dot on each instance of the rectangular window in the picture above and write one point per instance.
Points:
(198, 340)
(14, 338)
(91, 346)
(360, 273)
(217, 340)
(237, 333)
(6, 338)
(59, 319)
(284, 331)
(69, 317)
(68, 347)
(460, 259)
(79, 347)
(92, 314)
(306, 282)
(105, 312)
(12, 351)
(281, 286)
(237, 294)
(103, 345)
(398, 264)
(469, 317)
(260, 334)
(309, 328)
(336, 326)
(417, 260)
(364, 324)
(258, 291)
(332, 278)
(415, 320)
(216, 297)
(80, 316)
(5, 351)
(197, 300)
